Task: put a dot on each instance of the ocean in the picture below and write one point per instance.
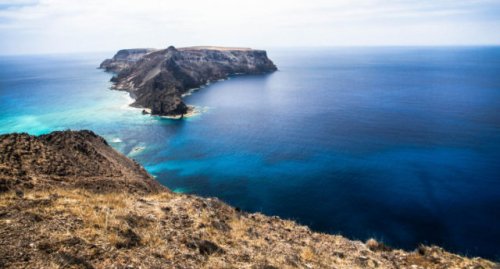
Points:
(401, 144)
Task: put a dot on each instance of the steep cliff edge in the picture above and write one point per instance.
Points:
(68, 200)
(158, 78)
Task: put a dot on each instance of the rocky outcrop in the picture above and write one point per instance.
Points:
(123, 59)
(70, 201)
(158, 78)
(69, 159)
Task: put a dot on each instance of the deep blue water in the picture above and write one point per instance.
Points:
(400, 144)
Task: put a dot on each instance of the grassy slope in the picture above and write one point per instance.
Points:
(82, 229)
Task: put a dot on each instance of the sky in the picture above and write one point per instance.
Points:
(65, 26)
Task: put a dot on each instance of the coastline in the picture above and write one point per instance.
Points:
(191, 112)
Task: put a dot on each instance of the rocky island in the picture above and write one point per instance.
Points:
(157, 79)
(68, 200)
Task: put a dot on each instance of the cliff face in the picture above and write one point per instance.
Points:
(68, 200)
(123, 59)
(157, 79)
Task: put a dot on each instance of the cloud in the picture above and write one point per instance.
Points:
(72, 25)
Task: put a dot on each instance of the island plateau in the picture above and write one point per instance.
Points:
(157, 79)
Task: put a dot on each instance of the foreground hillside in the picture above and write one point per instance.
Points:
(69, 200)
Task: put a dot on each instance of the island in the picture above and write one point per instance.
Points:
(157, 79)
(69, 200)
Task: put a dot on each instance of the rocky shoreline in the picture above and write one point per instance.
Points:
(158, 79)
(68, 200)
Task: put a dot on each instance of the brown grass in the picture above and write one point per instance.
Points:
(166, 229)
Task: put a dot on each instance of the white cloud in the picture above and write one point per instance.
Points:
(73, 25)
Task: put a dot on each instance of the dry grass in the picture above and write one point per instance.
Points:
(7, 198)
(239, 228)
(308, 254)
(77, 228)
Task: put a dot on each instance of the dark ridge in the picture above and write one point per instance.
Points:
(70, 159)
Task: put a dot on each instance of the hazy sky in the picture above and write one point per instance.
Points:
(47, 26)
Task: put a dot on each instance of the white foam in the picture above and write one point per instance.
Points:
(136, 150)
(194, 111)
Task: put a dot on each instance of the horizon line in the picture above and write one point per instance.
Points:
(265, 48)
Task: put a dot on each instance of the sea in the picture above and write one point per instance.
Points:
(400, 144)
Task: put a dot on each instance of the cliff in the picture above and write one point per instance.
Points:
(68, 200)
(123, 59)
(158, 78)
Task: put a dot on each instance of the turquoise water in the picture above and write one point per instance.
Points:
(400, 144)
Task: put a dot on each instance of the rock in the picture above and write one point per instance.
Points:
(362, 260)
(339, 254)
(221, 226)
(366, 262)
(123, 59)
(205, 247)
(19, 193)
(208, 248)
(131, 239)
(158, 78)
